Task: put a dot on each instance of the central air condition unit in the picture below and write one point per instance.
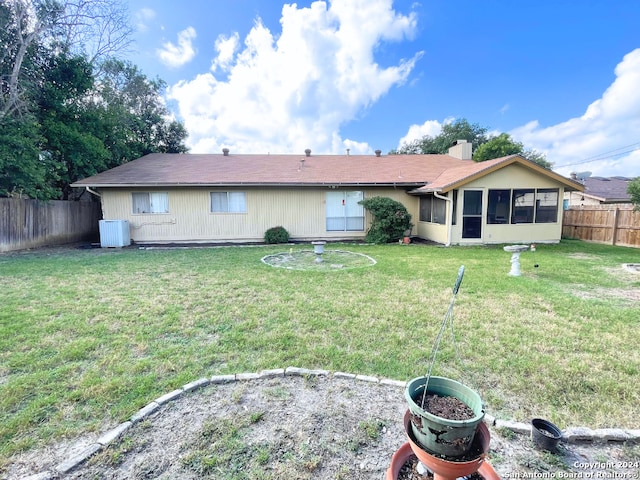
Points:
(114, 233)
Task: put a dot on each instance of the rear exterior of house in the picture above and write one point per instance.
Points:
(173, 198)
(177, 215)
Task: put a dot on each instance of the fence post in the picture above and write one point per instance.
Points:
(614, 236)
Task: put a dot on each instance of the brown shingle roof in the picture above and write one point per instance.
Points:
(217, 169)
(459, 175)
(434, 172)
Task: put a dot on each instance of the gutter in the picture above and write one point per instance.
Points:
(449, 221)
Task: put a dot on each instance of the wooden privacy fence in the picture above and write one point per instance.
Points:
(612, 224)
(34, 223)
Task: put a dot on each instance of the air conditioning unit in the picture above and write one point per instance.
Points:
(114, 233)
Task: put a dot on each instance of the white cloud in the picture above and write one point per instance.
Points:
(430, 127)
(177, 55)
(226, 48)
(293, 90)
(606, 139)
(142, 17)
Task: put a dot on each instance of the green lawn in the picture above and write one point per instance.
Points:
(87, 337)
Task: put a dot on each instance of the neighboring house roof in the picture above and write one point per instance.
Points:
(434, 172)
(607, 190)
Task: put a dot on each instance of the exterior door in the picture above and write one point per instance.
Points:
(472, 214)
(343, 213)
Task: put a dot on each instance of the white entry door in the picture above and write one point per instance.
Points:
(343, 212)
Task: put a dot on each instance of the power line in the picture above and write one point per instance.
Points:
(603, 156)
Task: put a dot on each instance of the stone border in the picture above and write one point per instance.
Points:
(571, 435)
(372, 260)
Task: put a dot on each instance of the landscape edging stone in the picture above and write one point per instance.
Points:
(570, 435)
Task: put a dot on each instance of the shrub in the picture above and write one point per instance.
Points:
(390, 219)
(276, 235)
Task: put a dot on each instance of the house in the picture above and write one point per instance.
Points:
(179, 198)
(598, 191)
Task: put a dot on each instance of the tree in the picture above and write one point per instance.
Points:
(633, 189)
(503, 145)
(458, 130)
(390, 219)
(67, 110)
(21, 26)
(97, 28)
(67, 126)
(136, 121)
(24, 170)
(484, 148)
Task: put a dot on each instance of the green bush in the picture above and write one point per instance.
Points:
(390, 219)
(276, 235)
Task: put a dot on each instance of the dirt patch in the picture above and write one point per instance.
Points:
(583, 256)
(315, 427)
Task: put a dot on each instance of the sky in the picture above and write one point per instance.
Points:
(265, 76)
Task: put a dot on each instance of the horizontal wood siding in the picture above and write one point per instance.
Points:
(300, 211)
(612, 224)
(34, 223)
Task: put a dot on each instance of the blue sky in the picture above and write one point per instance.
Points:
(260, 76)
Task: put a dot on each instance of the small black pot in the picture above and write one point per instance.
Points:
(545, 435)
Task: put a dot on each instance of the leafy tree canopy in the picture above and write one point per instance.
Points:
(503, 145)
(459, 130)
(484, 147)
(633, 189)
(68, 107)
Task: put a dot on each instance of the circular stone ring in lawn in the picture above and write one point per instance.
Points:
(308, 260)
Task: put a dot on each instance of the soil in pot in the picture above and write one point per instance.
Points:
(447, 407)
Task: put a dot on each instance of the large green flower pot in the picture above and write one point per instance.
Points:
(438, 435)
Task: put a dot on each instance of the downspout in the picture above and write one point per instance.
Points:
(88, 189)
(449, 220)
(93, 192)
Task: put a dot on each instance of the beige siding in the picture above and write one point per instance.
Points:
(511, 177)
(578, 199)
(300, 211)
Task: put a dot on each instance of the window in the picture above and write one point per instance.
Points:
(426, 209)
(433, 209)
(499, 206)
(150, 202)
(547, 205)
(343, 212)
(228, 202)
(523, 206)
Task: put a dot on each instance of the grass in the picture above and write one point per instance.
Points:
(87, 337)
